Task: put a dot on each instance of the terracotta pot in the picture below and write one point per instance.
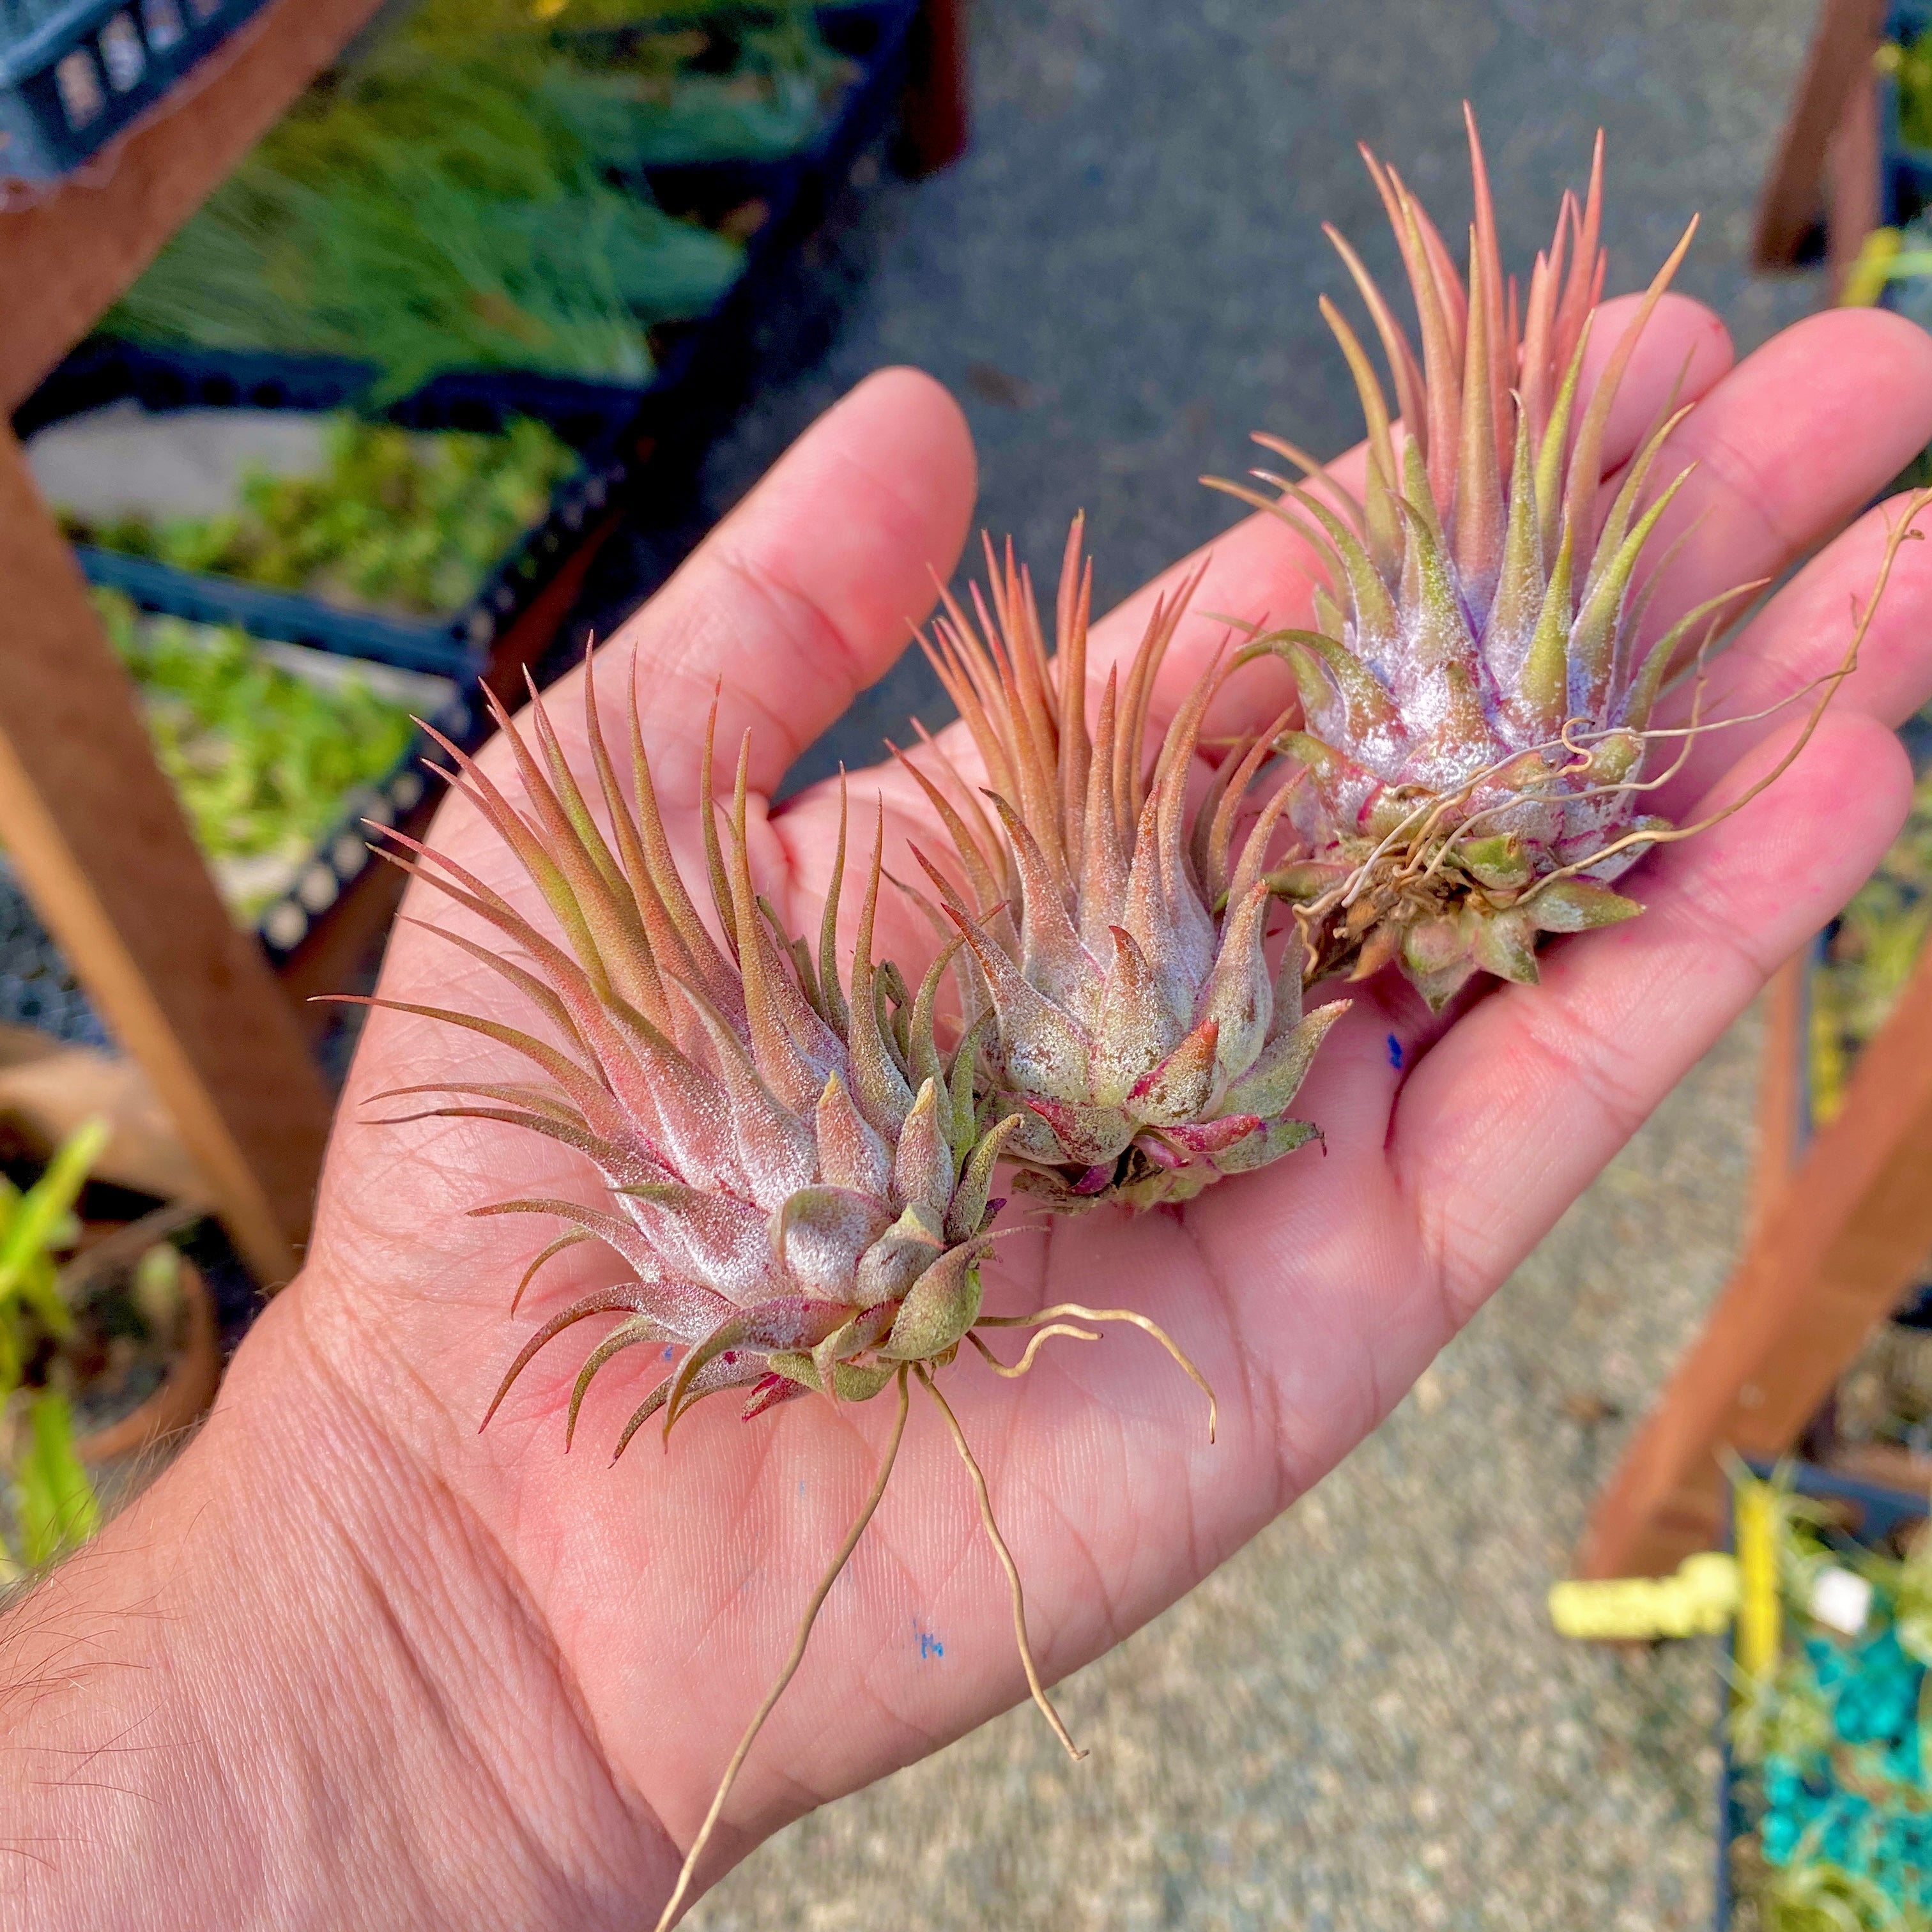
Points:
(193, 1377)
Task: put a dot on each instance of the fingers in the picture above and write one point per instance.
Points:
(1505, 1122)
(806, 593)
(1800, 636)
(1789, 445)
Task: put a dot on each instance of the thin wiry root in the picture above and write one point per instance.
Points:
(1033, 1348)
(797, 1657)
(1006, 1557)
(1896, 539)
(1077, 1312)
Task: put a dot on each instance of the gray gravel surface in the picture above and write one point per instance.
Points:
(1362, 1721)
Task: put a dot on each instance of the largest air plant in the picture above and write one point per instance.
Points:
(797, 1148)
(1476, 763)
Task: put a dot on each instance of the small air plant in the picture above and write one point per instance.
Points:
(1114, 933)
(798, 1177)
(1477, 751)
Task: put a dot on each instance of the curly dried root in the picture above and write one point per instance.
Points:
(1006, 1563)
(1076, 1311)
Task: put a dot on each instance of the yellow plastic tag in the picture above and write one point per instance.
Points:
(1700, 1600)
(1754, 1507)
(1873, 267)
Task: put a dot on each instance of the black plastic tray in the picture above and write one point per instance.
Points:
(37, 988)
(73, 76)
(599, 421)
(872, 33)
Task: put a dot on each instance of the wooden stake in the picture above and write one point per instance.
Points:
(1783, 1107)
(1838, 66)
(1853, 160)
(1832, 1256)
(94, 833)
(938, 115)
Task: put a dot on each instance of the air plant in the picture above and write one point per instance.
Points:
(797, 1153)
(798, 1174)
(1114, 932)
(1478, 755)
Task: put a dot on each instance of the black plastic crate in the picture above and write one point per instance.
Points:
(600, 421)
(312, 887)
(73, 75)
(702, 364)
(875, 35)
(38, 987)
(705, 367)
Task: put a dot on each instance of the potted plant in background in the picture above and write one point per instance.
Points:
(108, 1347)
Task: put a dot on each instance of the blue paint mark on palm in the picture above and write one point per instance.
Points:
(1395, 1052)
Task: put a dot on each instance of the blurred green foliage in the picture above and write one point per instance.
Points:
(50, 1500)
(433, 204)
(721, 85)
(1913, 73)
(262, 760)
(55, 1507)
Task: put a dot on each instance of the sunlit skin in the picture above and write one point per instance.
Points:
(413, 1674)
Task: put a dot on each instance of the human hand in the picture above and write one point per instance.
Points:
(593, 1639)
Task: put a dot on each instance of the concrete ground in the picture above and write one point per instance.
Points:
(1362, 1721)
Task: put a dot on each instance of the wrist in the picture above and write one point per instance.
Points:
(297, 1684)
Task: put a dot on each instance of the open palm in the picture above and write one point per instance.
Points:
(628, 1618)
